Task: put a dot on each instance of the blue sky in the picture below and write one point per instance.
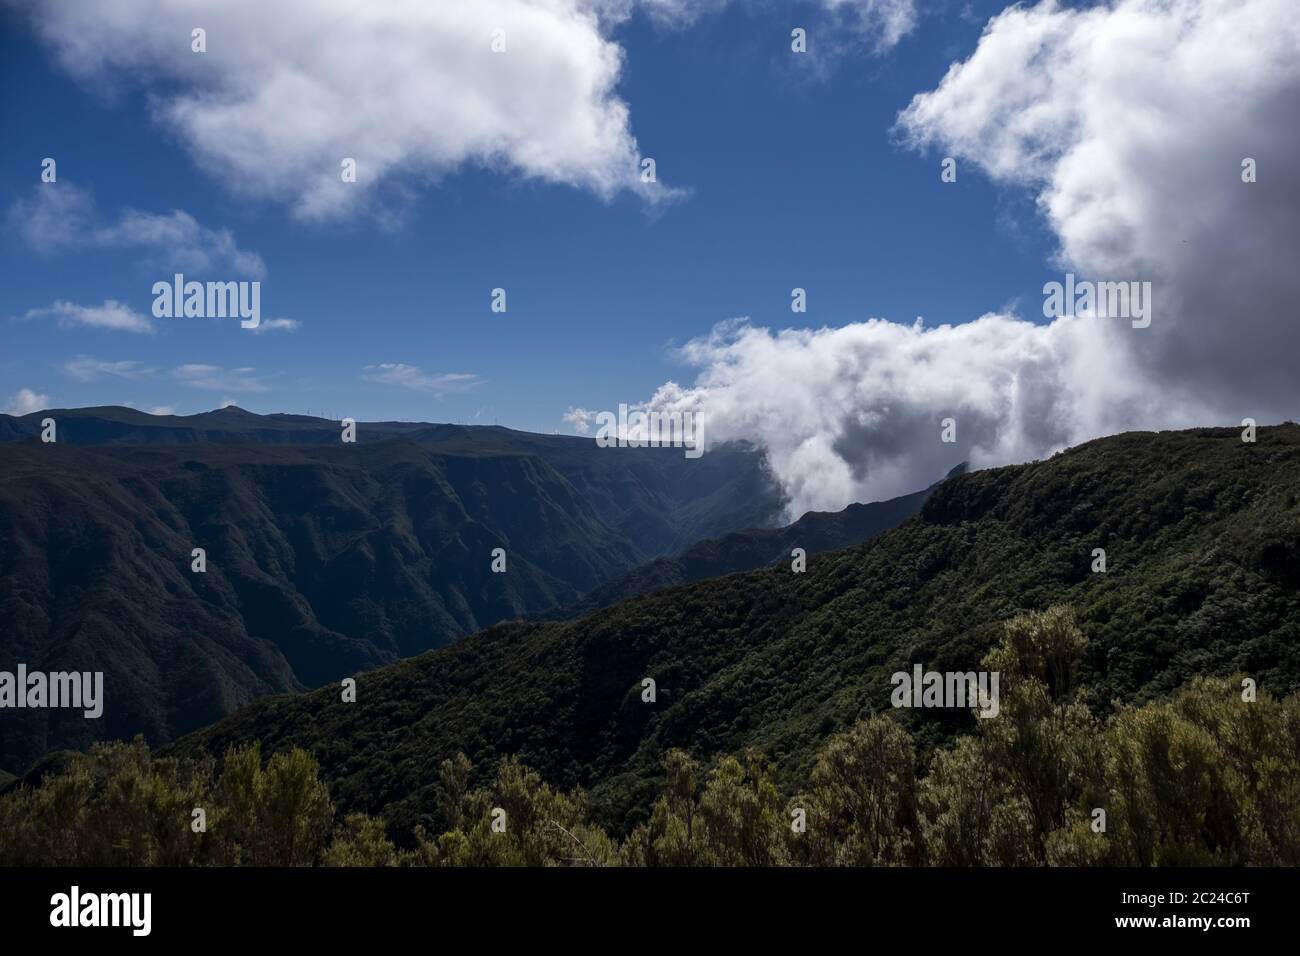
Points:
(792, 178)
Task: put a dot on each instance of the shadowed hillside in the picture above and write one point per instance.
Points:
(1202, 535)
(753, 548)
(323, 559)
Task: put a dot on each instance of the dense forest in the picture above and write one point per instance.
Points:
(753, 548)
(1169, 735)
(1202, 540)
(1209, 775)
(320, 559)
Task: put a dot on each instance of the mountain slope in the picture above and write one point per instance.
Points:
(754, 548)
(322, 559)
(1202, 534)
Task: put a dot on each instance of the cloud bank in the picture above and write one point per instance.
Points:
(1129, 122)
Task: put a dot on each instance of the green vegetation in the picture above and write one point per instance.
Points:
(754, 548)
(1202, 535)
(122, 806)
(323, 559)
(1204, 777)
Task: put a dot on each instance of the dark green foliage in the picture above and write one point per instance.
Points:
(361, 841)
(1209, 776)
(119, 805)
(862, 805)
(776, 662)
(754, 548)
(535, 825)
(323, 559)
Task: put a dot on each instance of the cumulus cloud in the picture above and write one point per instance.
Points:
(25, 401)
(408, 88)
(110, 315)
(1128, 122)
(856, 413)
(56, 217)
(409, 376)
(580, 419)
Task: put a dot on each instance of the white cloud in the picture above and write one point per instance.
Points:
(887, 21)
(53, 217)
(218, 379)
(87, 368)
(61, 216)
(1129, 122)
(111, 315)
(882, 22)
(670, 13)
(186, 245)
(276, 325)
(25, 401)
(409, 376)
(162, 410)
(411, 89)
(855, 413)
(580, 419)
